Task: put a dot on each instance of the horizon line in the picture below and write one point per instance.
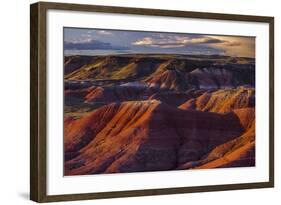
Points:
(183, 54)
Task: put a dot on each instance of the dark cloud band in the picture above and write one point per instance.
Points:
(92, 45)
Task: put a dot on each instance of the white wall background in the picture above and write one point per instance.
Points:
(14, 101)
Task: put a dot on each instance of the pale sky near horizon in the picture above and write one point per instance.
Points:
(98, 42)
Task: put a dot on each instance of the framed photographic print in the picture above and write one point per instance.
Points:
(134, 102)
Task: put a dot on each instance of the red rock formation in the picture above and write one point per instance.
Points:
(74, 97)
(159, 112)
(213, 77)
(234, 153)
(222, 101)
(100, 94)
(169, 79)
(78, 93)
(144, 136)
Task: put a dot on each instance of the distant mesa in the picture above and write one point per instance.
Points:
(163, 71)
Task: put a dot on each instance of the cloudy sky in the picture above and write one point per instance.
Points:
(100, 42)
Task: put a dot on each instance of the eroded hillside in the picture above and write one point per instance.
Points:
(131, 113)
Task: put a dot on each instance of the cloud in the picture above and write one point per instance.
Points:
(161, 43)
(205, 40)
(229, 45)
(175, 41)
(232, 44)
(103, 32)
(238, 46)
(91, 44)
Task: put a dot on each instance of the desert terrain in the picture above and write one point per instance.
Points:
(158, 112)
